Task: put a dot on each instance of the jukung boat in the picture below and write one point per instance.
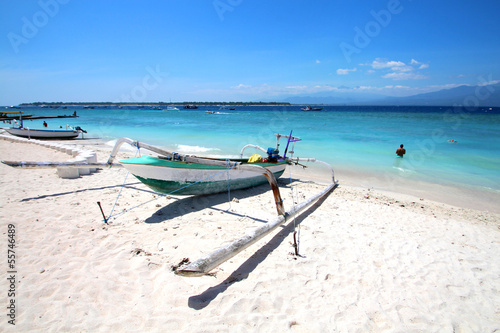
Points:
(174, 173)
(27, 132)
(186, 178)
(30, 133)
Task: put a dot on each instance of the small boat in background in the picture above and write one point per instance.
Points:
(190, 106)
(309, 108)
(171, 108)
(26, 132)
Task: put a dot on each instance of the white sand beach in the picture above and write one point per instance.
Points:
(369, 260)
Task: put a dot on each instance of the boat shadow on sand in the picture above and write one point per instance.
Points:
(185, 205)
(180, 205)
(202, 300)
(101, 188)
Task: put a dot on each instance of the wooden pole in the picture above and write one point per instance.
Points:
(102, 212)
(53, 165)
(206, 264)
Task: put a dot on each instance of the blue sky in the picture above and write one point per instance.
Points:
(242, 50)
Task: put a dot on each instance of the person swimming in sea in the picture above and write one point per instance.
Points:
(400, 151)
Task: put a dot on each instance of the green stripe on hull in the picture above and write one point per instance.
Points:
(168, 187)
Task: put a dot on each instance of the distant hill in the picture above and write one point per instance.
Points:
(462, 95)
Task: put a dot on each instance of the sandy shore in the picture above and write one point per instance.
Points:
(370, 260)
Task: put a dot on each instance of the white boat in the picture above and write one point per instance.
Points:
(30, 133)
(187, 178)
(171, 108)
(172, 173)
(26, 132)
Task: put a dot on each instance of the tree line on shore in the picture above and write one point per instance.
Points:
(149, 103)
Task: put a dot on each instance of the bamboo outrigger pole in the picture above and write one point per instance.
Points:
(204, 265)
(54, 165)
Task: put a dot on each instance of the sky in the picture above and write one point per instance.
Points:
(242, 50)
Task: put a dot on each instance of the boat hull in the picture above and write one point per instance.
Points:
(182, 178)
(43, 134)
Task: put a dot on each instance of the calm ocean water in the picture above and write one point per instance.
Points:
(356, 138)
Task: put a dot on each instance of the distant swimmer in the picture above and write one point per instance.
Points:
(44, 124)
(452, 141)
(400, 151)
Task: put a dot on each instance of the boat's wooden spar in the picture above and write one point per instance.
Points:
(251, 146)
(206, 264)
(163, 152)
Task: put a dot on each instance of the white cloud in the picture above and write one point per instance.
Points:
(485, 83)
(419, 64)
(241, 86)
(398, 70)
(346, 71)
(381, 64)
(404, 76)
(403, 69)
(317, 61)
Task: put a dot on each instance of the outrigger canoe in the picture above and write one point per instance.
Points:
(188, 178)
(25, 132)
(171, 172)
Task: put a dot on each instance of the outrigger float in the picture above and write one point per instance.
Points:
(173, 173)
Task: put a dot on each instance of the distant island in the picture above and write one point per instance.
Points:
(59, 104)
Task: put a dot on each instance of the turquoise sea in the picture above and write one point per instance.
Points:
(361, 138)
